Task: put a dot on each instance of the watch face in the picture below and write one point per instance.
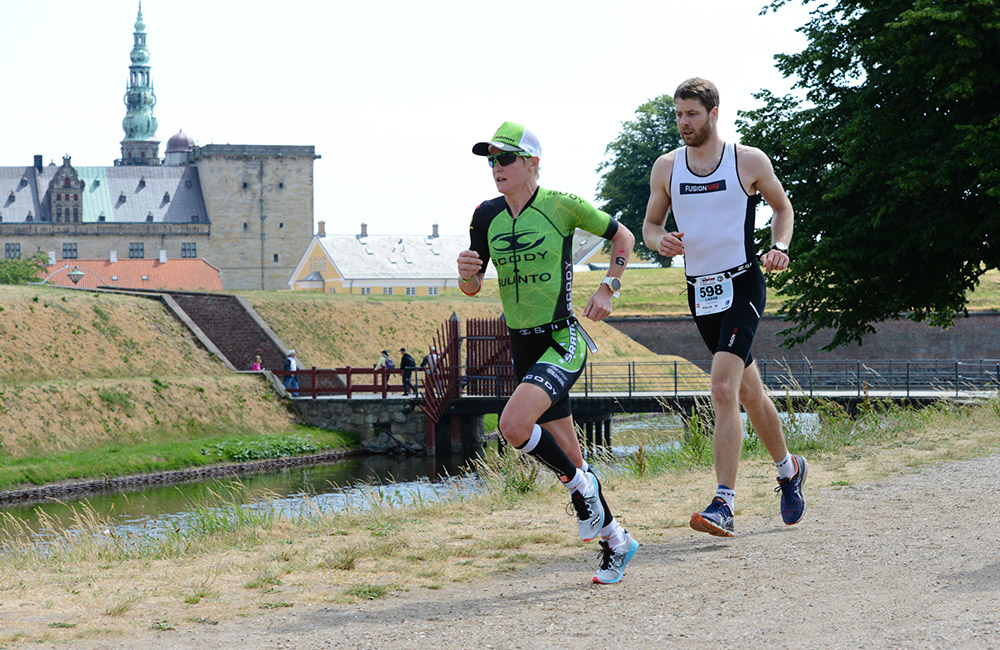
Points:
(616, 284)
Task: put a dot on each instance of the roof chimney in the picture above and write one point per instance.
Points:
(163, 256)
(114, 257)
(434, 231)
(38, 162)
(321, 229)
(364, 230)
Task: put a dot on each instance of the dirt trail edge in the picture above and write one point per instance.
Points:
(909, 562)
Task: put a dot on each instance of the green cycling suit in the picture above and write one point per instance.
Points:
(533, 256)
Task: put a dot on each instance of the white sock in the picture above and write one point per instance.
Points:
(579, 483)
(786, 468)
(613, 534)
(584, 467)
(727, 495)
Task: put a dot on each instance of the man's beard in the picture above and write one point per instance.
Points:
(700, 136)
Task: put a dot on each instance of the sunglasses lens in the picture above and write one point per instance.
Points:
(504, 159)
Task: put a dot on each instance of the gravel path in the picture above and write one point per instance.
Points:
(910, 562)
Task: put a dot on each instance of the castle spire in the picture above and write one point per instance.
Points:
(140, 146)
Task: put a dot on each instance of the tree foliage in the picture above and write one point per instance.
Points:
(891, 159)
(21, 271)
(624, 184)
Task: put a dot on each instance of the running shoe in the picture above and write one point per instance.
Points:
(589, 511)
(793, 504)
(614, 560)
(716, 519)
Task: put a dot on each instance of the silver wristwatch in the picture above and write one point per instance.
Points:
(614, 283)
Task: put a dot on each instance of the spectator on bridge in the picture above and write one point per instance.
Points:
(384, 362)
(430, 360)
(711, 187)
(291, 381)
(256, 365)
(527, 232)
(408, 364)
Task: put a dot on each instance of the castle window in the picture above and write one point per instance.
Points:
(194, 218)
(166, 197)
(189, 249)
(281, 185)
(65, 182)
(149, 218)
(244, 185)
(121, 198)
(76, 197)
(142, 154)
(58, 197)
(12, 197)
(24, 181)
(136, 250)
(281, 225)
(29, 218)
(142, 182)
(245, 225)
(59, 214)
(69, 251)
(275, 257)
(12, 251)
(76, 214)
(97, 182)
(101, 218)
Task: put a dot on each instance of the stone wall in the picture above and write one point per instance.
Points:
(972, 337)
(260, 201)
(387, 425)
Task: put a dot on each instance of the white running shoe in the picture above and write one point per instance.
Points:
(614, 561)
(589, 511)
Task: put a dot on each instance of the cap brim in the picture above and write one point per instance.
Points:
(483, 148)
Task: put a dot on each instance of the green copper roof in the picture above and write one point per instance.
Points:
(139, 122)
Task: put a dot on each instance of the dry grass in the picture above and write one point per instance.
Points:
(340, 559)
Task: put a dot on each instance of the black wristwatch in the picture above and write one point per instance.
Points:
(780, 246)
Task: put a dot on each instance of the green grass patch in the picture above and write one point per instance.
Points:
(123, 459)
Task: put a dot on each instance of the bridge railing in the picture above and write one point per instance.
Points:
(679, 377)
(676, 377)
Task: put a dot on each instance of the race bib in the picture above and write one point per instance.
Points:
(712, 294)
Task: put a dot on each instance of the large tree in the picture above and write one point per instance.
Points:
(890, 152)
(21, 271)
(624, 184)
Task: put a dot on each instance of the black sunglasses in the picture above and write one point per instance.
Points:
(503, 159)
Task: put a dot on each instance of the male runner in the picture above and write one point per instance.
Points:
(712, 188)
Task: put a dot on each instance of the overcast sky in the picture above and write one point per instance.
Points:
(392, 94)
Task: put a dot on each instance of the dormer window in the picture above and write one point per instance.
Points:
(97, 182)
(12, 198)
(194, 218)
(166, 197)
(149, 218)
(24, 181)
(121, 197)
(29, 218)
(101, 218)
(65, 182)
(142, 182)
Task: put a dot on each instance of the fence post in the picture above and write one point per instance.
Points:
(385, 382)
(810, 381)
(349, 382)
(907, 378)
(858, 374)
(631, 379)
(956, 377)
(587, 377)
(675, 378)
(314, 391)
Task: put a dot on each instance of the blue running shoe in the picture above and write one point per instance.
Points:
(793, 504)
(589, 511)
(716, 519)
(614, 560)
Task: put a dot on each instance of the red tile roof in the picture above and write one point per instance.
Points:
(194, 274)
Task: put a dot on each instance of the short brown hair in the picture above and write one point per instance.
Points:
(701, 89)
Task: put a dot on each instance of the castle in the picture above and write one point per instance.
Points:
(246, 209)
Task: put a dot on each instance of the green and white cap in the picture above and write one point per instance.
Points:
(510, 137)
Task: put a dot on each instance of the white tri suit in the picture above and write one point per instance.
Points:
(726, 290)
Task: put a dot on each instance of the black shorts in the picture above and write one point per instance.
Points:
(733, 330)
(552, 361)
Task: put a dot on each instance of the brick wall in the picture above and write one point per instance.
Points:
(224, 320)
(973, 337)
